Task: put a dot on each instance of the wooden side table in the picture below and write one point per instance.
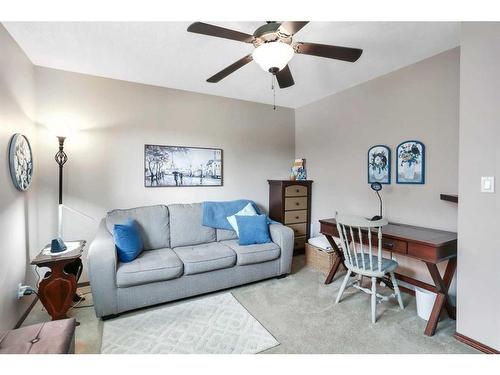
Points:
(57, 288)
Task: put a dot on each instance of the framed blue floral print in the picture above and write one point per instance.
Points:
(379, 164)
(410, 166)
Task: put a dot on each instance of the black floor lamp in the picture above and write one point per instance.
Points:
(61, 158)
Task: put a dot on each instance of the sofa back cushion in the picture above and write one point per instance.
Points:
(224, 235)
(185, 225)
(153, 223)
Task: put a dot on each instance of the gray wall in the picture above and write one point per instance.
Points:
(334, 134)
(116, 118)
(479, 213)
(17, 209)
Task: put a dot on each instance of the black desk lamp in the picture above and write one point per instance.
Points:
(377, 186)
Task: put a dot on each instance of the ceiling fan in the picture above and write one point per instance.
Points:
(274, 48)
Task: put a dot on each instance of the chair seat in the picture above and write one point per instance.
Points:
(253, 254)
(388, 265)
(150, 266)
(205, 257)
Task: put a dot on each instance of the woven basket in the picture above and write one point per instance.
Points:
(319, 259)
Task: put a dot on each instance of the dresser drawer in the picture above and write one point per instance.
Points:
(299, 229)
(298, 203)
(295, 191)
(292, 217)
(299, 242)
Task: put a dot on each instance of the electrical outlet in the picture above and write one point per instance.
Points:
(24, 290)
(20, 290)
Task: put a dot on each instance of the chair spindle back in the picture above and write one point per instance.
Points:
(355, 253)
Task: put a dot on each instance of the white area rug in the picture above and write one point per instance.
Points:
(212, 325)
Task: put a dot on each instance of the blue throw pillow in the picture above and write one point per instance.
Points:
(253, 229)
(128, 241)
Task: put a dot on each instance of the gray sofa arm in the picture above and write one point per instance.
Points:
(283, 237)
(102, 262)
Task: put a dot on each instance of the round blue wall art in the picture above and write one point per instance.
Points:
(20, 161)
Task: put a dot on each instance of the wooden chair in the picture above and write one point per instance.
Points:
(359, 257)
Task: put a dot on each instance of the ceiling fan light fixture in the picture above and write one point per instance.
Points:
(273, 56)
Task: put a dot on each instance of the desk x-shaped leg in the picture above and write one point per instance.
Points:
(338, 260)
(442, 286)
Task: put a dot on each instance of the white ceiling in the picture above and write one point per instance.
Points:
(165, 54)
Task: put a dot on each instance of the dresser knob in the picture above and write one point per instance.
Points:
(297, 203)
(297, 191)
(296, 217)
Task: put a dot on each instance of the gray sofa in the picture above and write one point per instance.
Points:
(181, 258)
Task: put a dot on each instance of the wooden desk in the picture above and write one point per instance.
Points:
(431, 246)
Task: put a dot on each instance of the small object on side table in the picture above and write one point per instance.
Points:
(57, 245)
(57, 289)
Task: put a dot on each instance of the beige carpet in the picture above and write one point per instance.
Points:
(301, 313)
(210, 325)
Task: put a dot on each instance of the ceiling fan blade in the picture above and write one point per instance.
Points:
(292, 27)
(220, 32)
(230, 69)
(331, 52)
(284, 78)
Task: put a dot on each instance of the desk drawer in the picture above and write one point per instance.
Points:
(299, 203)
(299, 229)
(292, 217)
(295, 191)
(395, 246)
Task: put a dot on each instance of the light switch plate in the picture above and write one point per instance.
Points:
(488, 184)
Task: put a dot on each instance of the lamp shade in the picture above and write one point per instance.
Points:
(273, 55)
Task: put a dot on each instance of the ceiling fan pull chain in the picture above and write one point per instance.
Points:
(273, 87)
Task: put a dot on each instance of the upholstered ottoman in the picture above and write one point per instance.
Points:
(55, 337)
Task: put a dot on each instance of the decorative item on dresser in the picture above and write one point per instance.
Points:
(290, 204)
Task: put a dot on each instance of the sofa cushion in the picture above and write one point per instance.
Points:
(248, 210)
(253, 229)
(205, 257)
(185, 226)
(152, 221)
(149, 267)
(251, 254)
(224, 234)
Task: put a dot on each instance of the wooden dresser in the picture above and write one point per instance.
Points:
(290, 204)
